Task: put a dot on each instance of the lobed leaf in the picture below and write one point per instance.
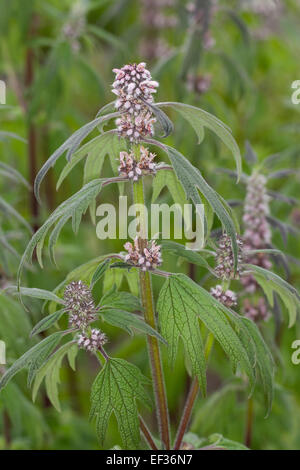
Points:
(116, 389)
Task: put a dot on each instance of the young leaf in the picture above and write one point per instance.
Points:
(50, 372)
(128, 320)
(121, 300)
(47, 322)
(32, 359)
(116, 389)
(199, 119)
(189, 255)
(181, 303)
(99, 272)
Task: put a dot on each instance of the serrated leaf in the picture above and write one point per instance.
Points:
(50, 372)
(127, 321)
(182, 302)
(116, 389)
(32, 359)
(199, 119)
(47, 322)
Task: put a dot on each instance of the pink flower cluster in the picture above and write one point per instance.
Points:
(225, 258)
(227, 297)
(257, 234)
(79, 304)
(91, 341)
(147, 258)
(134, 88)
(134, 169)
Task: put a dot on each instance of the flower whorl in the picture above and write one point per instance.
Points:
(225, 258)
(79, 304)
(257, 234)
(226, 297)
(134, 169)
(146, 259)
(92, 341)
(134, 88)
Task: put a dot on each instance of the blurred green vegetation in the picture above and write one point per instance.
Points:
(56, 57)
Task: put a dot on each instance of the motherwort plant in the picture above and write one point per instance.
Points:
(183, 310)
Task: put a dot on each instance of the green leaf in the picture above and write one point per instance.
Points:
(192, 180)
(190, 255)
(178, 321)
(121, 300)
(128, 320)
(167, 178)
(33, 359)
(199, 119)
(70, 145)
(36, 293)
(264, 361)
(47, 322)
(50, 372)
(99, 272)
(181, 304)
(271, 282)
(116, 389)
(217, 440)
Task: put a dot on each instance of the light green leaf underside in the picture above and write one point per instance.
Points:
(116, 389)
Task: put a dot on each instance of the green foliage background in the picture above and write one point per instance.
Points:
(70, 81)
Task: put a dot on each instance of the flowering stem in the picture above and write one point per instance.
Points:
(149, 314)
(192, 395)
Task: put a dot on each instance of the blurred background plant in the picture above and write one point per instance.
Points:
(236, 59)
